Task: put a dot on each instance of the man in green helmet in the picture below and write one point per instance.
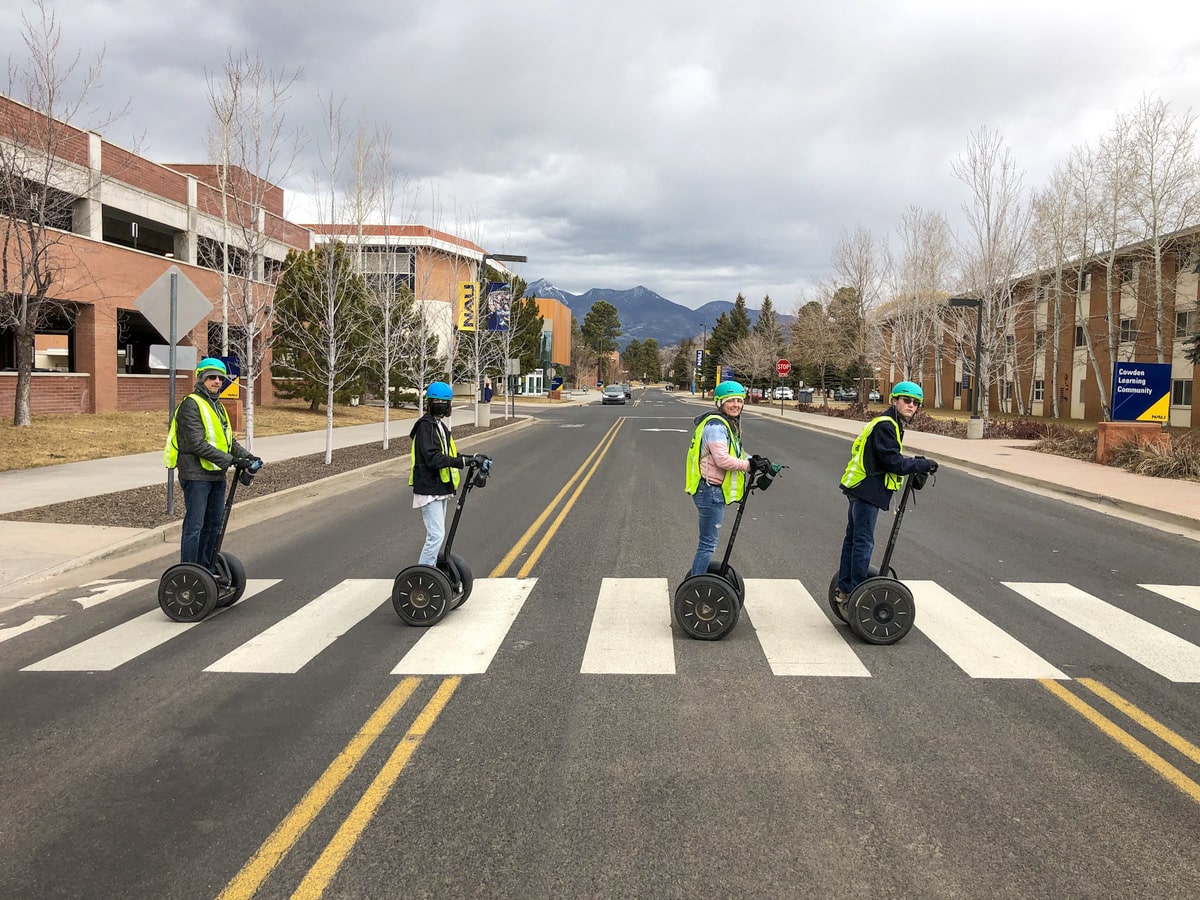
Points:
(201, 445)
(717, 467)
(875, 472)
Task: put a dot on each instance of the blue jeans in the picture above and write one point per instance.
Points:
(434, 516)
(710, 503)
(858, 545)
(204, 503)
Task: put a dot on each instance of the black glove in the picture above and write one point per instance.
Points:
(480, 459)
(932, 466)
(759, 463)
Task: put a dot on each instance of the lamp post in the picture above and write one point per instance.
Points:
(483, 418)
(975, 425)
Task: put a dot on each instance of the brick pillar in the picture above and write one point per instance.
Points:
(96, 356)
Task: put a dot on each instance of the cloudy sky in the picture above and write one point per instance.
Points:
(697, 148)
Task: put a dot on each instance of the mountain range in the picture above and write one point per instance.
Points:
(645, 314)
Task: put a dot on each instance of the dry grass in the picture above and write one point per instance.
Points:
(55, 439)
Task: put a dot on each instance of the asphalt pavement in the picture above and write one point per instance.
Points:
(32, 551)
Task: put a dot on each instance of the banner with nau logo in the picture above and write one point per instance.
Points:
(468, 291)
(1141, 392)
(499, 306)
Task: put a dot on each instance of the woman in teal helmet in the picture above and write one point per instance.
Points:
(875, 472)
(717, 467)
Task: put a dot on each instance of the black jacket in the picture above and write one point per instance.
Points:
(428, 458)
(880, 455)
(193, 441)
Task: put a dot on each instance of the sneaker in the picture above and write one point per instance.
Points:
(841, 596)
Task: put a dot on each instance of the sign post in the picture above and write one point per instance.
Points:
(782, 368)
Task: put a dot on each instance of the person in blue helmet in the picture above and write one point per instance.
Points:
(434, 474)
(201, 446)
(717, 467)
(875, 472)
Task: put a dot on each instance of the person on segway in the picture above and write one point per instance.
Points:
(875, 472)
(201, 445)
(717, 468)
(434, 475)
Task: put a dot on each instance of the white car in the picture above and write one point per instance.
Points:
(784, 393)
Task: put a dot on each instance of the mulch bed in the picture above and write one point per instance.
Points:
(146, 507)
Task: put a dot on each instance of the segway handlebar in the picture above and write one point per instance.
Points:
(247, 468)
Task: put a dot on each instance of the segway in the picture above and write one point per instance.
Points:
(881, 609)
(188, 592)
(421, 595)
(707, 607)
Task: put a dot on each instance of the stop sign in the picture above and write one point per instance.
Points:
(783, 367)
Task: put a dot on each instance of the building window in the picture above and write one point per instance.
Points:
(957, 388)
(1128, 331)
(1181, 392)
(1039, 340)
(1085, 281)
(1080, 341)
(1189, 258)
(1128, 269)
(1185, 323)
(1039, 390)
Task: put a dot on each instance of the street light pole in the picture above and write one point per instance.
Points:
(974, 428)
(480, 313)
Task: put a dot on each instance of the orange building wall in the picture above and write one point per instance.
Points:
(559, 316)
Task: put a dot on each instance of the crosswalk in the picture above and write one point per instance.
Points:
(631, 631)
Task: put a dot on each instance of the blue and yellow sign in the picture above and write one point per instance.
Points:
(1141, 392)
(468, 294)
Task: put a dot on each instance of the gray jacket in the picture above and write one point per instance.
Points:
(193, 443)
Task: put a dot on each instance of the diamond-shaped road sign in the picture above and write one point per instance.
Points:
(191, 306)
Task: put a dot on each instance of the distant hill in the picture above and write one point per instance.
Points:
(645, 314)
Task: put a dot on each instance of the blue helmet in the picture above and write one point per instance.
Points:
(211, 364)
(728, 390)
(908, 389)
(439, 390)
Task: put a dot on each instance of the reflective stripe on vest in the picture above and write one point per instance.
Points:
(216, 432)
(856, 469)
(734, 483)
(449, 475)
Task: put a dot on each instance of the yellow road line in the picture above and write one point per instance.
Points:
(1159, 730)
(327, 865)
(512, 554)
(1124, 738)
(558, 520)
(285, 835)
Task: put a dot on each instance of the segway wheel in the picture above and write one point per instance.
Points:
(881, 610)
(706, 607)
(187, 592)
(231, 579)
(714, 568)
(421, 595)
(461, 579)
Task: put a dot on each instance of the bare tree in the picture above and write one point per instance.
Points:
(995, 252)
(254, 150)
(920, 276)
(817, 341)
(39, 187)
(752, 356)
(860, 265)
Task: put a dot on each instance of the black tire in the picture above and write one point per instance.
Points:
(838, 609)
(732, 576)
(706, 607)
(187, 592)
(881, 610)
(461, 579)
(421, 595)
(231, 579)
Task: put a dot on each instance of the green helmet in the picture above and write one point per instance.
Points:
(209, 364)
(908, 389)
(728, 390)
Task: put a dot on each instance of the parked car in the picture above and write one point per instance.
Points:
(628, 389)
(613, 393)
(848, 395)
(783, 393)
(756, 394)
(874, 395)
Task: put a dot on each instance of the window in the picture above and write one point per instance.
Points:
(1039, 390)
(1185, 323)
(1128, 270)
(1128, 330)
(1010, 343)
(1039, 340)
(1189, 258)
(1181, 392)
(1080, 340)
(957, 388)
(1085, 281)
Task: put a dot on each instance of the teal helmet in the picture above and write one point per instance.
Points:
(728, 390)
(439, 390)
(908, 389)
(211, 364)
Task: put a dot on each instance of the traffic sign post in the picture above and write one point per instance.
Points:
(782, 367)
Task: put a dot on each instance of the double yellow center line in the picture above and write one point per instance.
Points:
(280, 842)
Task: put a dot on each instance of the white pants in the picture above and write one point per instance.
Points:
(434, 516)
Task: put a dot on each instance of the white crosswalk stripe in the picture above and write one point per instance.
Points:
(632, 633)
(129, 640)
(1155, 648)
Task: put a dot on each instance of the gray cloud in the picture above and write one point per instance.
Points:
(698, 148)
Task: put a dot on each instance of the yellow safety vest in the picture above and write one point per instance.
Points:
(856, 469)
(216, 432)
(734, 484)
(449, 475)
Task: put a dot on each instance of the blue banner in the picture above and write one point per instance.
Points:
(499, 306)
(1141, 392)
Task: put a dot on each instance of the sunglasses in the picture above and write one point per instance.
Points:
(211, 377)
(914, 402)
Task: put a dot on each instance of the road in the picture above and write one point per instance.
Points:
(1034, 736)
